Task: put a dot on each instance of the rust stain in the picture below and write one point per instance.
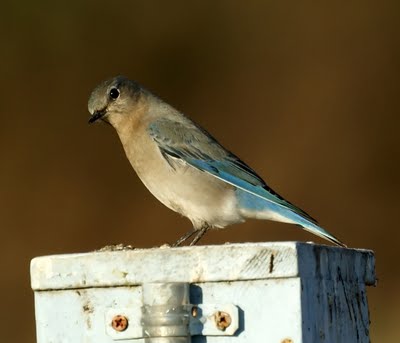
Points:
(88, 308)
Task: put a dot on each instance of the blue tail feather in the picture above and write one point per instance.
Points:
(256, 207)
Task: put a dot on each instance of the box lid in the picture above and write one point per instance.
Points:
(208, 263)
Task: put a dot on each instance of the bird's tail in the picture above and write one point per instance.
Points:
(306, 224)
(254, 206)
(258, 208)
(319, 231)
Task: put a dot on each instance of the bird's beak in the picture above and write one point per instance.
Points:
(97, 115)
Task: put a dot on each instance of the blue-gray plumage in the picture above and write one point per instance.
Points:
(185, 167)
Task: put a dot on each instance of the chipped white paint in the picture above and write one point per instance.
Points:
(299, 291)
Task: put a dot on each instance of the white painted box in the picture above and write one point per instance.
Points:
(273, 292)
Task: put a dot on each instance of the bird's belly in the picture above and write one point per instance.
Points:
(201, 197)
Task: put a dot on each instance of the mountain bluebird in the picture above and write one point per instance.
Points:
(184, 167)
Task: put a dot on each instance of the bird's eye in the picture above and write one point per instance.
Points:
(114, 93)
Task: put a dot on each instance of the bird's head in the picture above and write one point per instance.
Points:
(114, 100)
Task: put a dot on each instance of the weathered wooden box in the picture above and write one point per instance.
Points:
(271, 292)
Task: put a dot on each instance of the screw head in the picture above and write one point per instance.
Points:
(222, 320)
(119, 323)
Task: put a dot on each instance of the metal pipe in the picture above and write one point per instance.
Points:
(165, 312)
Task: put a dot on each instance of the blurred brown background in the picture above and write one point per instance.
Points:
(306, 93)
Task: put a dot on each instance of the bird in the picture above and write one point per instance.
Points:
(185, 167)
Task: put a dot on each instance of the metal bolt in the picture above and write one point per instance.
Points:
(222, 320)
(195, 311)
(119, 323)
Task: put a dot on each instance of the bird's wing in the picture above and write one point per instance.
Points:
(192, 144)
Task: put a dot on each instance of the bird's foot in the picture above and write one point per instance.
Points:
(198, 234)
(186, 236)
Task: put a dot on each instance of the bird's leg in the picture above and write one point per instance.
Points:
(199, 234)
(186, 236)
